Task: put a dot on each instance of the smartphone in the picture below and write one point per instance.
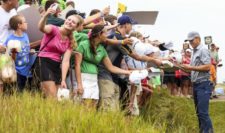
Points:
(54, 6)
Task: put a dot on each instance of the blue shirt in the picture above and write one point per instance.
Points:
(24, 60)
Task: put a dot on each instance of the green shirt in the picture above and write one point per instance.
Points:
(90, 61)
(21, 2)
(79, 37)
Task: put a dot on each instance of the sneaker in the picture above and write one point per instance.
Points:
(215, 96)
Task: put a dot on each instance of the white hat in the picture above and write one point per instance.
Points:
(188, 50)
(150, 49)
(145, 35)
(137, 75)
(168, 45)
(176, 56)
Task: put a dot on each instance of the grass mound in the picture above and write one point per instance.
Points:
(30, 113)
(171, 114)
(177, 115)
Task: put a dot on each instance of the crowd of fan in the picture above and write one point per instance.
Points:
(93, 56)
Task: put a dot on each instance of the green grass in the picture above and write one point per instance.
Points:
(177, 115)
(29, 113)
(172, 114)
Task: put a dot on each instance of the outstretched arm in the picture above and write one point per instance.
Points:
(145, 58)
(90, 19)
(42, 23)
(113, 69)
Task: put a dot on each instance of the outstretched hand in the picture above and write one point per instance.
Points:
(50, 11)
(128, 41)
(106, 10)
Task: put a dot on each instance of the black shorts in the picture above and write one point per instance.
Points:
(50, 70)
(169, 77)
(183, 77)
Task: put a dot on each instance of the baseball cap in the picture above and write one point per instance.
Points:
(192, 35)
(166, 46)
(125, 19)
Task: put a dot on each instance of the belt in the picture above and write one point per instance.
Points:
(198, 82)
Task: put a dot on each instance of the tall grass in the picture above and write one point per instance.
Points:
(30, 113)
(177, 115)
(217, 113)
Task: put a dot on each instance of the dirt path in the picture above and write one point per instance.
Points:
(220, 98)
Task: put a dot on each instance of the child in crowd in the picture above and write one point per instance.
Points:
(24, 60)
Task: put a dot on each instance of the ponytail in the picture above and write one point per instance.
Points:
(97, 30)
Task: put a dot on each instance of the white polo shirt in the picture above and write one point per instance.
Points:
(141, 49)
(4, 23)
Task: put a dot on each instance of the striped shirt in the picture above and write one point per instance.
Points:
(200, 56)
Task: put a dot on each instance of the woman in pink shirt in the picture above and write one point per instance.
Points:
(185, 77)
(56, 43)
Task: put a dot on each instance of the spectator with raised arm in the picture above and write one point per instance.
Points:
(56, 43)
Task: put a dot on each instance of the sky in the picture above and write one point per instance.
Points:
(175, 19)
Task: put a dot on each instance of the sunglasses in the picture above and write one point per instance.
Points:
(191, 41)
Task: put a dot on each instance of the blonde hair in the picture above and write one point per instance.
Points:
(73, 42)
(80, 19)
(136, 34)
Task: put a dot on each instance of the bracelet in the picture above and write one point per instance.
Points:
(122, 42)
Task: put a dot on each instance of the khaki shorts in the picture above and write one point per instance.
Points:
(109, 95)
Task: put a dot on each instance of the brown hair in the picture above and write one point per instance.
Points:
(110, 19)
(94, 11)
(49, 3)
(95, 32)
(15, 21)
(4, 1)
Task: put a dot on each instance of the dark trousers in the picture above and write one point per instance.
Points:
(21, 82)
(202, 92)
